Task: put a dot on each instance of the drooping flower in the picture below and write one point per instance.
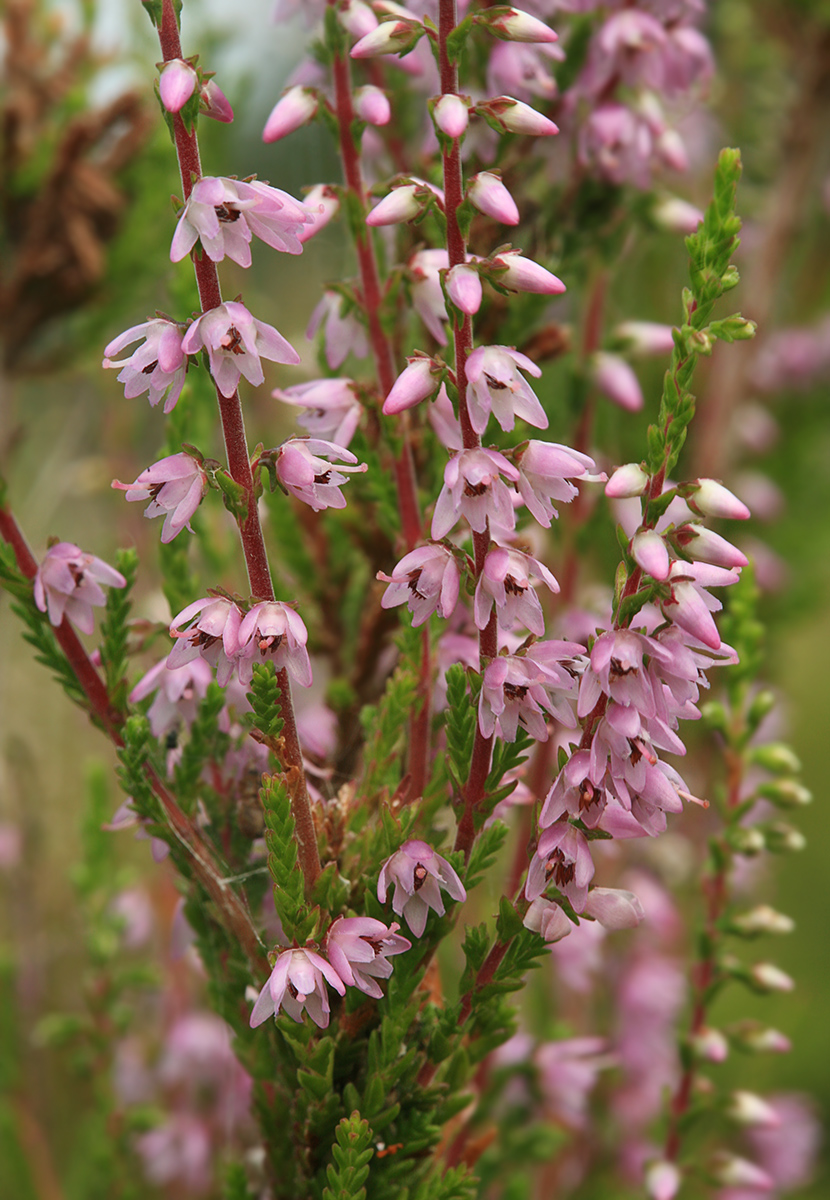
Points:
(544, 472)
(224, 214)
(322, 202)
(521, 690)
(427, 296)
(158, 366)
(523, 70)
(331, 408)
(616, 380)
(497, 386)
(474, 488)
(418, 874)
(295, 108)
(343, 332)
(214, 103)
(175, 487)
(178, 692)
(213, 636)
(563, 858)
(360, 948)
(273, 630)
(67, 584)
(416, 382)
(236, 342)
(614, 908)
(506, 582)
(309, 477)
(372, 104)
(426, 580)
(547, 919)
(297, 982)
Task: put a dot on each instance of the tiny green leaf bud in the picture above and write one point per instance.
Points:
(776, 757)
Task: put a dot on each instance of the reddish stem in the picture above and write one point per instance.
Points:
(239, 466)
(234, 916)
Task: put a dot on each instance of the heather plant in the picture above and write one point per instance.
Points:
(424, 733)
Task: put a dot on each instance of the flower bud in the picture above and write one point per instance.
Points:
(614, 908)
(766, 977)
(487, 192)
(782, 838)
(749, 1109)
(755, 1038)
(547, 919)
(512, 270)
(514, 116)
(627, 481)
(390, 37)
(714, 500)
(451, 115)
(357, 18)
(464, 288)
(616, 380)
(513, 25)
(177, 83)
(748, 842)
(214, 103)
(372, 105)
(294, 109)
(702, 545)
(322, 202)
(785, 793)
(649, 552)
(761, 919)
(662, 1181)
(645, 337)
(776, 757)
(415, 383)
(734, 1172)
(709, 1045)
(678, 216)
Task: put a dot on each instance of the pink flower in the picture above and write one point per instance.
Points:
(487, 192)
(295, 108)
(426, 580)
(311, 478)
(344, 333)
(618, 144)
(563, 858)
(626, 482)
(404, 203)
(357, 18)
(714, 500)
(614, 908)
(174, 486)
(178, 1151)
(68, 581)
(214, 103)
(645, 337)
(505, 581)
(418, 874)
(390, 37)
(298, 981)
(275, 631)
(474, 488)
(522, 691)
(519, 274)
(213, 636)
(544, 471)
(703, 545)
(177, 83)
(332, 410)
(662, 1181)
(372, 105)
(158, 365)
(547, 919)
(359, 949)
(523, 70)
(496, 386)
(224, 214)
(236, 342)
(649, 552)
(322, 202)
(690, 606)
(427, 294)
(179, 691)
(568, 1070)
(513, 25)
(444, 422)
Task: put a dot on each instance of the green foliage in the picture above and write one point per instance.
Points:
(204, 744)
(283, 861)
(460, 721)
(352, 1154)
(115, 632)
(236, 1184)
(385, 728)
(264, 698)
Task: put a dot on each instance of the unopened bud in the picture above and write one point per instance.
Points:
(293, 110)
(645, 337)
(732, 1171)
(714, 500)
(391, 37)
(177, 83)
(451, 115)
(627, 481)
(715, 715)
(761, 919)
(676, 215)
(766, 977)
(372, 105)
(776, 757)
(782, 838)
(761, 706)
(755, 1038)
(514, 116)
(747, 1108)
(662, 1181)
(487, 192)
(357, 18)
(710, 1045)
(513, 25)
(785, 793)
(748, 842)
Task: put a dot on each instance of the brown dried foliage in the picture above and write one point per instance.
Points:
(58, 216)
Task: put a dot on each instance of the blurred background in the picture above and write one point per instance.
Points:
(76, 89)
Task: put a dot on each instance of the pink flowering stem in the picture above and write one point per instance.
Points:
(239, 466)
(384, 356)
(463, 341)
(234, 916)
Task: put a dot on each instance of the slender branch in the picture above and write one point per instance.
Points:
(206, 869)
(239, 466)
